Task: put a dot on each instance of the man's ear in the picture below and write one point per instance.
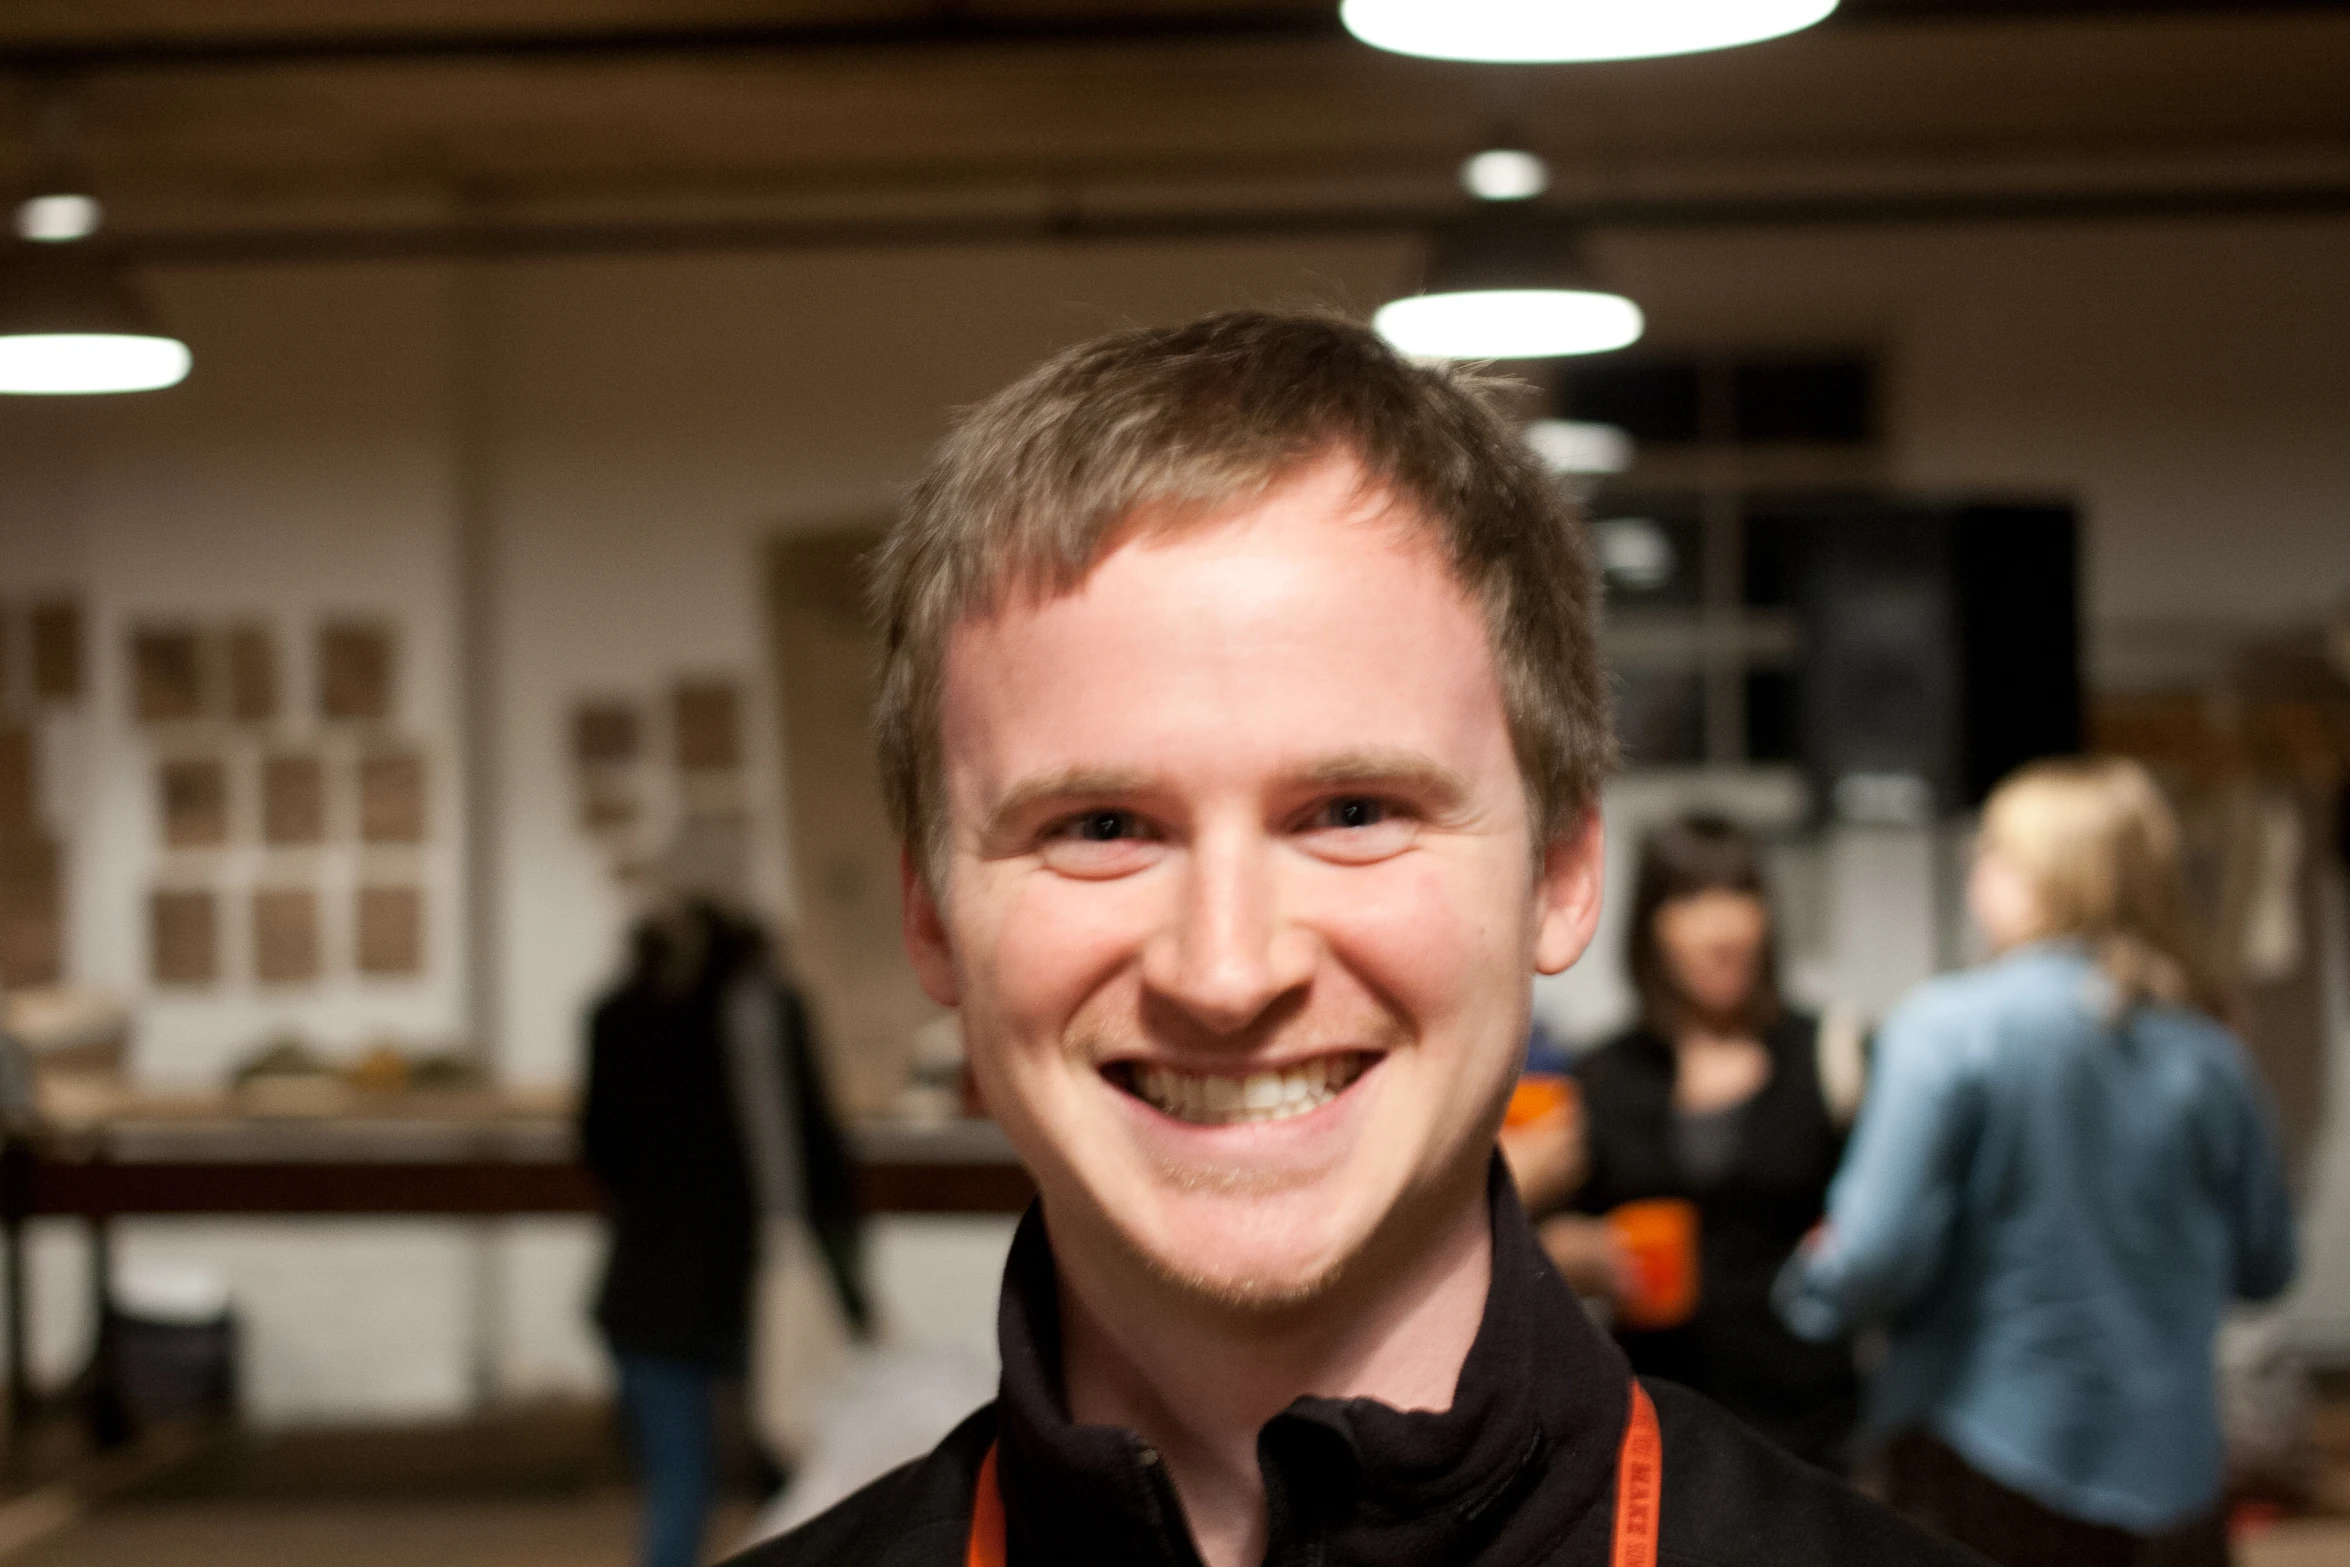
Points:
(927, 947)
(1566, 893)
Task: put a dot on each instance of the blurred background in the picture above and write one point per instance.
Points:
(492, 575)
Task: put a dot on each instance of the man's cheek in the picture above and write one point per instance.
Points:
(1411, 939)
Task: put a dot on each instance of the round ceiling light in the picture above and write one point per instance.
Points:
(1579, 446)
(1505, 174)
(58, 219)
(1634, 553)
(1531, 32)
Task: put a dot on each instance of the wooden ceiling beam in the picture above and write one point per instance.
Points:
(945, 28)
(496, 240)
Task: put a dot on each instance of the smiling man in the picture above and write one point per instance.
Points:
(1243, 720)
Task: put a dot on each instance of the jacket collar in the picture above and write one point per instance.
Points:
(1524, 1457)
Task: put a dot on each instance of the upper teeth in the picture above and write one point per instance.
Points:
(1218, 1100)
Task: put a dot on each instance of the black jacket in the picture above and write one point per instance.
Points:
(1734, 1350)
(659, 1132)
(1520, 1472)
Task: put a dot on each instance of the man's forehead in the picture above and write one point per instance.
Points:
(1298, 637)
(1332, 487)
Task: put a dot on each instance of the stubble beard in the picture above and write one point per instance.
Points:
(1272, 1291)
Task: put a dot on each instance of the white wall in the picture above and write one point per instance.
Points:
(301, 474)
(643, 424)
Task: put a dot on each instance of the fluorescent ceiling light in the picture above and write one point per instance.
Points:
(1509, 323)
(54, 363)
(1536, 31)
(1509, 281)
(1505, 174)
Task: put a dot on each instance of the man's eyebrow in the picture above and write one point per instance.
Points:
(1075, 783)
(1408, 771)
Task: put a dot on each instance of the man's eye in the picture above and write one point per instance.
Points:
(1360, 829)
(1100, 843)
(1102, 826)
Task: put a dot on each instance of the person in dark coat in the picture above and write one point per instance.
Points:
(705, 1109)
(1714, 1097)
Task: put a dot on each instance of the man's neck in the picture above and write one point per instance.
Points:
(1198, 1379)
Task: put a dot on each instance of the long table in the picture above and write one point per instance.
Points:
(316, 1170)
(478, 1166)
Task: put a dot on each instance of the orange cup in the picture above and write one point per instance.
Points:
(1658, 1237)
(1538, 1095)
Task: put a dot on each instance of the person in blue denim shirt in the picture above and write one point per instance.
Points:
(2064, 1172)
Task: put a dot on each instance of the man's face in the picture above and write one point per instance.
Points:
(1240, 900)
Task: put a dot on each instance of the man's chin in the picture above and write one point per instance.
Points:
(1243, 1250)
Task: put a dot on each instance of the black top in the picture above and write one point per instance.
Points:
(659, 1132)
(1751, 1214)
(1520, 1472)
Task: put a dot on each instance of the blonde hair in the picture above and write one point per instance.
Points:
(1036, 484)
(2100, 848)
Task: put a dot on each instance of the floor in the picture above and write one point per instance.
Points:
(545, 1488)
(591, 1531)
(585, 1532)
(532, 1486)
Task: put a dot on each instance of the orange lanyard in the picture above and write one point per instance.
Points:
(1640, 1473)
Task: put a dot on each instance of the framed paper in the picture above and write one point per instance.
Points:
(355, 672)
(194, 802)
(252, 674)
(57, 649)
(184, 947)
(293, 801)
(605, 732)
(391, 797)
(707, 714)
(167, 674)
(285, 935)
(391, 931)
(32, 909)
(19, 803)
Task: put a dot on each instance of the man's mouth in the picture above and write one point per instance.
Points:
(1238, 1099)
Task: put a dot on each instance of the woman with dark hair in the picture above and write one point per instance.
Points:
(1712, 1106)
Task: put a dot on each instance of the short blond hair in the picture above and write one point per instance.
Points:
(2100, 847)
(1034, 485)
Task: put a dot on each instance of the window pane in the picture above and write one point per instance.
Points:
(1649, 400)
(1660, 718)
(1802, 400)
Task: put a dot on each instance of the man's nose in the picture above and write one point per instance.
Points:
(1226, 952)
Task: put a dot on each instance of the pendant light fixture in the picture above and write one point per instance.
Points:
(1534, 32)
(69, 322)
(1505, 173)
(1507, 282)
